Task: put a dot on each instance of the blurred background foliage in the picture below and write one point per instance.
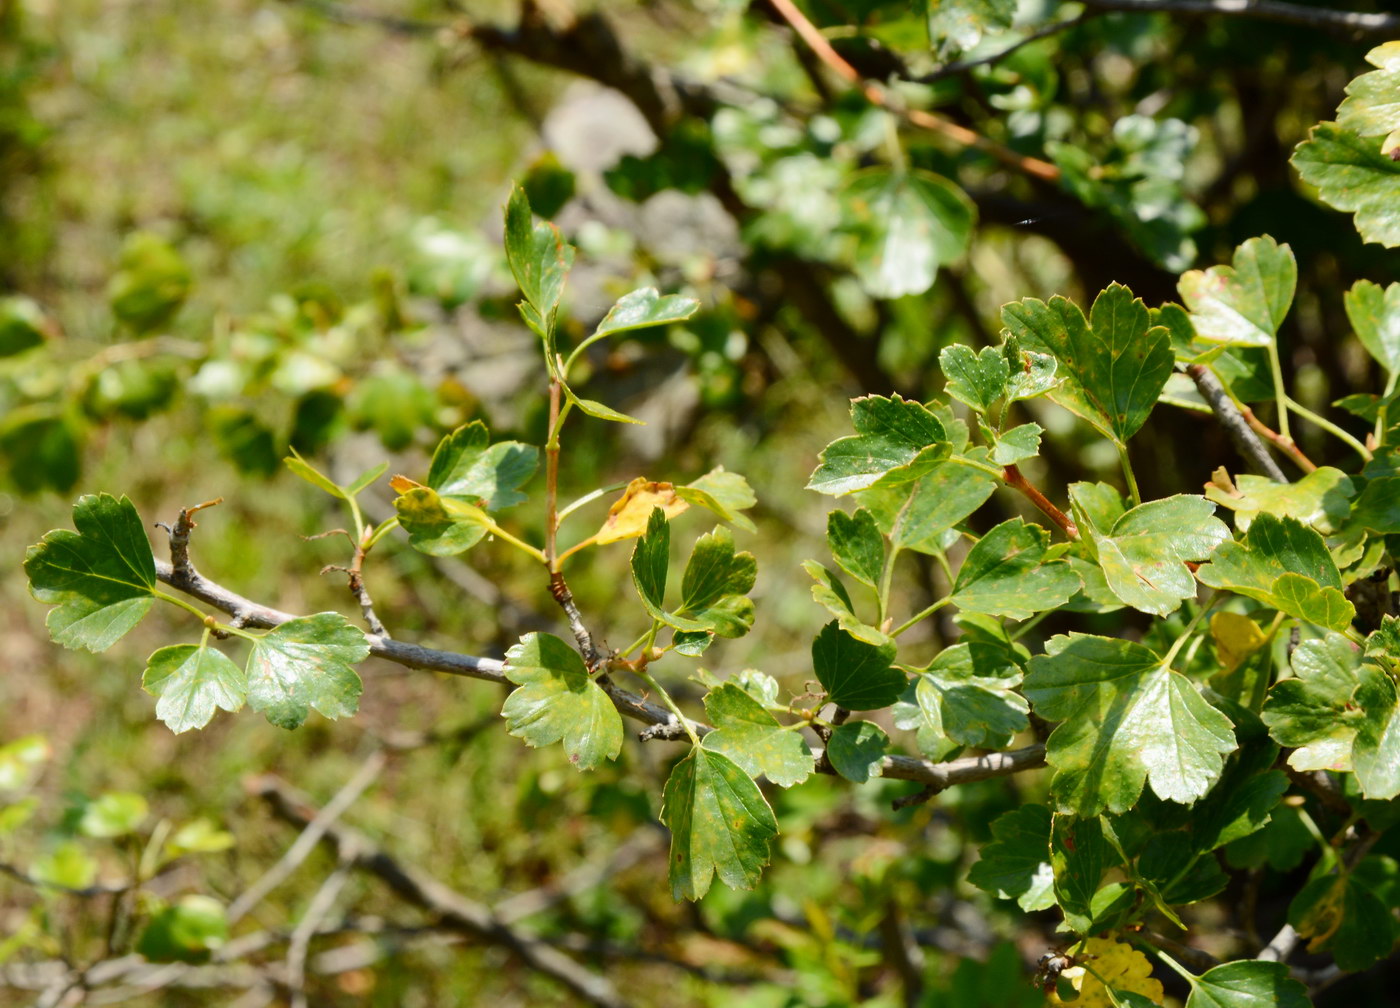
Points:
(236, 227)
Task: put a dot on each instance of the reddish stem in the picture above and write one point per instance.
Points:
(1016, 481)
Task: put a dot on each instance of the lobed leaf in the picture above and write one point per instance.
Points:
(1006, 574)
(1374, 312)
(891, 433)
(916, 515)
(304, 664)
(857, 749)
(1247, 983)
(468, 467)
(967, 696)
(856, 545)
(1242, 304)
(750, 736)
(975, 378)
(1144, 555)
(190, 681)
(910, 224)
(856, 675)
(558, 701)
(1351, 173)
(1016, 864)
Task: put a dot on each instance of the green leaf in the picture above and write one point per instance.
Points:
(440, 526)
(916, 515)
(1247, 983)
(1243, 304)
(466, 466)
(967, 695)
(857, 545)
(830, 593)
(650, 561)
(1284, 564)
(978, 379)
(1031, 373)
(312, 475)
(1372, 105)
(1311, 713)
(1352, 174)
(559, 701)
(1229, 813)
(890, 434)
(955, 25)
(713, 589)
(23, 325)
(1378, 506)
(100, 578)
(1113, 365)
(1127, 719)
(1016, 864)
(189, 681)
(304, 664)
(856, 750)
(1342, 915)
(1079, 856)
(719, 823)
(750, 736)
(365, 479)
(1144, 555)
(1175, 872)
(538, 256)
(1321, 498)
(68, 865)
(113, 814)
(909, 223)
(20, 762)
(1005, 574)
(724, 494)
(1374, 312)
(150, 284)
(856, 675)
(1376, 752)
(1017, 444)
(198, 836)
(599, 411)
(644, 307)
(188, 932)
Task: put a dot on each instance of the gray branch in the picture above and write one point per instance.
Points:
(1351, 22)
(1246, 441)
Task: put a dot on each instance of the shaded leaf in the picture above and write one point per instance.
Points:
(187, 932)
(856, 749)
(99, 579)
(1006, 574)
(967, 695)
(750, 736)
(305, 664)
(1079, 856)
(1342, 915)
(856, 675)
(559, 702)
(857, 545)
(189, 681)
(1127, 718)
(151, 282)
(1016, 864)
(1310, 713)
(831, 594)
(440, 526)
(719, 823)
(910, 223)
(468, 467)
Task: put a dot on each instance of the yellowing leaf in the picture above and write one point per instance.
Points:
(402, 484)
(1115, 965)
(627, 518)
(1236, 637)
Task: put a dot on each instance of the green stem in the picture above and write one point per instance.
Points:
(188, 607)
(1326, 425)
(385, 527)
(501, 533)
(1190, 629)
(1280, 394)
(644, 639)
(886, 578)
(1179, 969)
(919, 616)
(1383, 414)
(589, 497)
(1030, 624)
(1128, 474)
(655, 687)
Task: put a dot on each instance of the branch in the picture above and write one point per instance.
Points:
(1234, 422)
(1348, 22)
(1045, 31)
(453, 910)
(1014, 479)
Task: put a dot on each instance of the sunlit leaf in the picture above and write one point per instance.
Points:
(1144, 555)
(306, 664)
(750, 736)
(1006, 574)
(890, 434)
(1352, 174)
(628, 516)
(910, 224)
(190, 681)
(1244, 303)
(557, 701)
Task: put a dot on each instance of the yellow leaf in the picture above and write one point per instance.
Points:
(627, 518)
(1236, 638)
(1114, 964)
(402, 484)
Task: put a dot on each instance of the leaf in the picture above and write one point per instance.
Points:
(20, 762)
(1006, 574)
(539, 257)
(198, 836)
(312, 475)
(891, 433)
(1372, 105)
(1321, 498)
(960, 24)
(1245, 303)
(365, 479)
(750, 736)
(1079, 856)
(1342, 915)
(1284, 564)
(1352, 174)
(304, 664)
(1127, 719)
(1017, 444)
(68, 865)
(559, 701)
(1376, 752)
(1378, 506)
(1247, 983)
(188, 932)
(916, 515)
(968, 695)
(719, 823)
(100, 578)
(856, 750)
(724, 494)
(1144, 556)
(976, 378)
(856, 675)
(650, 561)
(628, 516)
(1374, 312)
(1310, 713)
(1031, 374)
(599, 411)
(1112, 365)
(440, 526)
(189, 681)
(830, 593)
(1016, 864)
(856, 545)
(466, 466)
(909, 223)
(714, 587)
(644, 307)
(23, 325)
(150, 284)
(113, 814)
(1229, 814)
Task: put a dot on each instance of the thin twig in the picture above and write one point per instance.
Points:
(1045, 31)
(878, 95)
(302, 847)
(1280, 946)
(1234, 422)
(1285, 444)
(1014, 479)
(317, 911)
(1347, 22)
(452, 908)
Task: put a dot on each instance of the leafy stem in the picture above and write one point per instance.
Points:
(551, 486)
(1280, 394)
(1012, 476)
(656, 688)
(1326, 425)
(1131, 479)
(923, 614)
